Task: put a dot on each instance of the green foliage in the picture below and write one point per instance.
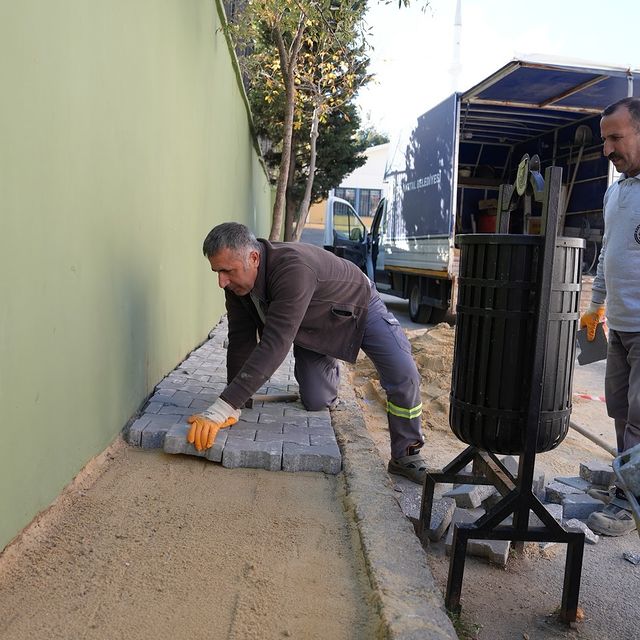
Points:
(370, 137)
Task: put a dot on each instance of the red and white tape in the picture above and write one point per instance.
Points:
(586, 396)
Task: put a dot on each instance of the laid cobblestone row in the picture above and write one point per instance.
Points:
(273, 436)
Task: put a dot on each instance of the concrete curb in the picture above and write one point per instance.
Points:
(410, 604)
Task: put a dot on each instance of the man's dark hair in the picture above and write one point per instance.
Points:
(229, 235)
(631, 104)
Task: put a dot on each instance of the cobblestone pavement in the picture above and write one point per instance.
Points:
(270, 435)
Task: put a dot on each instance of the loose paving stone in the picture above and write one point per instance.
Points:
(581, 506)
(175, 441)
(469, 496)
(576, 525)
(575, 481)
(556, 511)
(556, 492)
(597, 472)
(630, 470)
(497, 551)
(441, 515)
(491, 500)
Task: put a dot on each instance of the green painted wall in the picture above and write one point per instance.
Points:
(124, 138)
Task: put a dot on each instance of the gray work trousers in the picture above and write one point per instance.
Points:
(387, 346)
(622, 386)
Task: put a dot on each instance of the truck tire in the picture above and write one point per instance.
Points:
(419, 313)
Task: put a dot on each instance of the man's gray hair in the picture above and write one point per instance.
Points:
(631, 104)
(229, 235)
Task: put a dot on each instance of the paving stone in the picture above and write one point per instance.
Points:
(252, 455)
(556, 511)
(300, 421)
(321, 439)
(316, 421)
(630, 470)
(297, 457)
(163, 396)
(491, 500)
(469, 496)
(574, 481)
(597, 472)
(249, 415)
(511, 463)
(175, 441)
(153, 436)
(207, 395)
(580, 506)
(575, 525)
(441, 514)
(496, 551)
(267, 427)
(241, 434)
(173, 410)
(296, 438)
(192, 387)
(538, 486)
(153, 407)
(268, 417)
(556, 492)
(134, 436)
(275, 409)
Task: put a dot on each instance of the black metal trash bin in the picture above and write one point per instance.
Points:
(498, 292)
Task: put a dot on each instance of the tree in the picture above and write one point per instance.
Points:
(369, 136)
(306, 57)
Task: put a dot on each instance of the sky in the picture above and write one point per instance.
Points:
(413, 50)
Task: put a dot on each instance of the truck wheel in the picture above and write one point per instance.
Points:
(418, 312)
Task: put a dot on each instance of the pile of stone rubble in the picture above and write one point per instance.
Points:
(565, 498)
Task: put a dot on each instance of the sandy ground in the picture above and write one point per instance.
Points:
(146, 545)
(519, 601)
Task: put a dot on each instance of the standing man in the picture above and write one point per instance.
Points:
(618, 281)
(301, 295)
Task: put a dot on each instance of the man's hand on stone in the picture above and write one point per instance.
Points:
(205, 425)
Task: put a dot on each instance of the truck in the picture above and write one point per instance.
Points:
(447, 179)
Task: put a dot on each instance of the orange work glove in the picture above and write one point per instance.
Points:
(205, 425)
(592, 317)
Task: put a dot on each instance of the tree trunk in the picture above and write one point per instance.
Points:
(288, 64)
(303, 211)
(283, 171)
(290, 206)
